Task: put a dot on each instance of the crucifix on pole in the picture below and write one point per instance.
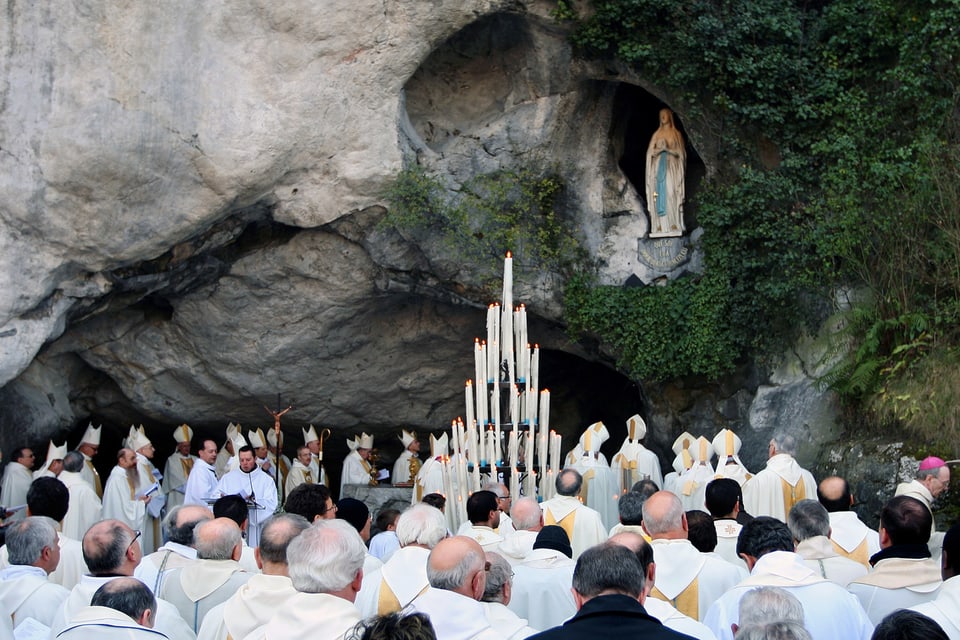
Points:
(279, 438)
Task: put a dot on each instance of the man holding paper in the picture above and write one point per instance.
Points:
(178, 466)
(123, 497)
(256, 487)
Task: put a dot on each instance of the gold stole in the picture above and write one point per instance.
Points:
(566, 524)
(187, 464)
(133, 489)
(585, 489)
(283, 467)
(366, 466)
(96, 479)
(792, 494)
(861, 554)
(687, 601)
(388, 601)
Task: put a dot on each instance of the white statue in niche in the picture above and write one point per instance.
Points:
(666, 165)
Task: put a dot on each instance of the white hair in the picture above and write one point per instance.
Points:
(670, 519)
(766, 605)
(421, 524)
(326, 557)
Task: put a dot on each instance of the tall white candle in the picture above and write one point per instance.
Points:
(535, 367)
(532, 408)
(468, 396)
(544, 428)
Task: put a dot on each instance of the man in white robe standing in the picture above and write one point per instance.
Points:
(252, 606)
(691, 484)
(228, 451)
(356, 466)
(689, 580)
(312, 441)
(258, 442)
(810, 525)
(850, 536)
(582, 524)
(122, 609)
(256, 487)
(542, 580)
(634, 462)
(404, 575)
(600, 489)
(122, 495)
(497, 592)
(781, 484)
(483, 518)
(85, 507)
(722, 500)
(430, 478)
(202, 482)
(149, 476)
(682, 461)
(25, 591)
(726, 444)
(178, 551)
(112, 551)
(300, 472)
(178, 466)
(276, 457)
(932, 479)
(53, 464)
(903, 572)
(16, 481)
(830, 612)
(89, 446)
(326, 568)
(411, 450)
(528, 521)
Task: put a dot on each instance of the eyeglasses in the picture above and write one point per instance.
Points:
(136, 536)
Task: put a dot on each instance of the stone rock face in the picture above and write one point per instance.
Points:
(192, 198)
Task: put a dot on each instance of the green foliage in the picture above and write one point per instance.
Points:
(860, 98)
(508, 209)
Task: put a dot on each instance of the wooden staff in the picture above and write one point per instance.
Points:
(276, 430)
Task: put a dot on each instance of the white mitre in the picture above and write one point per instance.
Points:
(183, 433)
(636, 428)
(365, 441)
(727, 445)
(256, 438)
(407, 437)
(439, 446)
(91, 435)
(310, 434)
(702, 451)
(595, 435)
(137, 438)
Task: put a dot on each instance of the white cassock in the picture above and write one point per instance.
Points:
(200, 586)
(154, 568)
(600, 489)
(852, 538)
(728, 531)
(897, 583)
(120, 502)
(248, 609)
(830, 612)
(505, 622)
(175, 474)
(818, 554)
(91, 475)
(454, 616)
(734, 471)
(318, 616)
(673, 619)
(690, 580)
(104, 623)
(16, 484)
(395, 584)
(222, 463)
(71, 567)
(384, 544)
(356, 470)
(298, 475)
(25, 593)
(541, 588)
(488, 538)
(401, 468)
(429, 480)
(201, 484)
(518, 546)
(260, 486)
(775, 490)
(583, 525)
(633, 463)
(691, 486)
(945, 609)
(85, 507)
(151, 538)
(167, 620)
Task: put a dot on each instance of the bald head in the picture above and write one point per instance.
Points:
(834, 494)
(663, 516)
(457, 564)
(110, 547)
(217, 539)
(527, 515)
(128, 596)
(180, 522)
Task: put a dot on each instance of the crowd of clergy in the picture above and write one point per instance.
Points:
(240, 542)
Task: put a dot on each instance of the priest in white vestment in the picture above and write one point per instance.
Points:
(228, 451)
(202, 482)
(722, 499)
(781, 484)
(933, 478)
(528, 521)
(681, 461)
(691, 484)
(904, 574)
(483, 519)
(178, 551)
(945, 608)
(16, 481)
(326, 568)
(726, 444)
(401, 578)
(121, 609)
(276, 457)
(258, 442)
(810, 525)
(634, 462)
(89, 446)
(85, 507)
(53, 464)
(313, 442)
(583, 525)
(149, 476)
(600, 487)
(122, 496)
(411, 450)
(252, 606)
(255, 487)
(542, 581)
(430, 478)
(497, 592)
(830, 612)
(300, 473)
(25, 591)
(356, 466)
(851, 538)
(689, 580)
(178, 466)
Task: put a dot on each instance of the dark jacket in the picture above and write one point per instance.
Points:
(611, 616)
